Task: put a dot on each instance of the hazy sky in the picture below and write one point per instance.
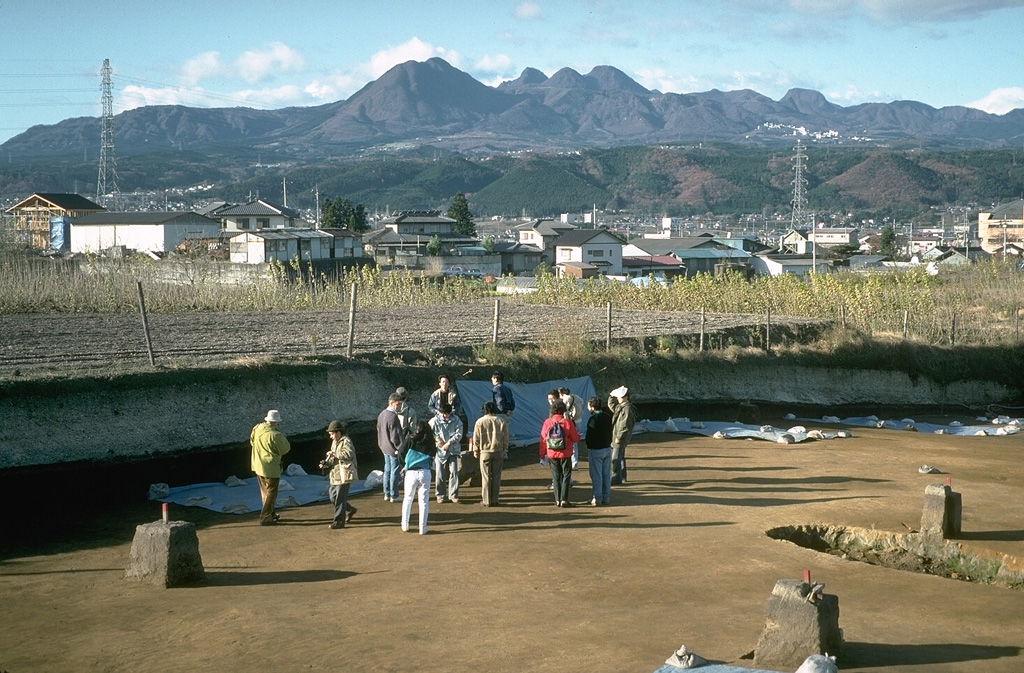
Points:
(227, 53)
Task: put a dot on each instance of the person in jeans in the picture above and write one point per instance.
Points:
(268, 445)
(447, 429)
(556, 446)
(599, 451)
(416, 455)
(343, 473)
(623, 419)
(490, 442)
(390, 436)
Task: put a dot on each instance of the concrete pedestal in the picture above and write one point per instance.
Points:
(942, 512)
(799, 622)
(166, 554)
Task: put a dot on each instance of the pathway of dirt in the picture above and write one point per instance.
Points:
(680, 557)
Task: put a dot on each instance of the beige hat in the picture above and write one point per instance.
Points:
(273, 416)
(621, 391)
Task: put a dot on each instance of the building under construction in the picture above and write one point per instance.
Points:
(37, 218)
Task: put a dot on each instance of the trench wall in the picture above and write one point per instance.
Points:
(160, 415)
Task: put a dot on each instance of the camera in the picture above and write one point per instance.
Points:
(327, 463)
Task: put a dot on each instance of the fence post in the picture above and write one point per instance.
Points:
(952, 330)
(145, 322)
(842, 315)
(351, 320)
(608, 328)
(768, 330)
(494, 333)
(703, 326)
(906, 316)
(1016, 324)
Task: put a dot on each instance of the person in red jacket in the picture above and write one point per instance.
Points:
(557, 436)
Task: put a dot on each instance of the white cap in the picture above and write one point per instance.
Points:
(621, 391)
(273, 416)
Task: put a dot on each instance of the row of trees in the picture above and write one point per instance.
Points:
(339, 213)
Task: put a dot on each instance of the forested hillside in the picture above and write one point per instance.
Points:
(660, 180)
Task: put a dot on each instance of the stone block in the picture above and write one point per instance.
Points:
(942, 512)
(165, 554)
(800, 620)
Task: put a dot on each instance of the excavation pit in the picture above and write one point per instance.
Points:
(910, 552)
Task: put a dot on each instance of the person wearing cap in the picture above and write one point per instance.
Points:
(623, 419)
(344, 471)
(268, 445)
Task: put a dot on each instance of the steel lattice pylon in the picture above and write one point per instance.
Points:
(799, 184)
(107, 192)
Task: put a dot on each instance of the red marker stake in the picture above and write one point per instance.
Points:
(807, 575)
(166, 513)
(949, 481)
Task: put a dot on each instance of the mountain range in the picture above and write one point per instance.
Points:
(434, 104)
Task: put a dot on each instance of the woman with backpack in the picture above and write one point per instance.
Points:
(557, 436)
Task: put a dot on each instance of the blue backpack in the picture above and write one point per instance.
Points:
(555, 438)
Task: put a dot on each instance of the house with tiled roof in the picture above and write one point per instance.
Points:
(258, 215)
(698, 254)
(542, 234)
(402, 238)
(32, 216)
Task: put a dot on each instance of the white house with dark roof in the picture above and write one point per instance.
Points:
(258, 215)
(590, 246)
(145, 232)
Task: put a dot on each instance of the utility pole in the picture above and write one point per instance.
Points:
(106, 179)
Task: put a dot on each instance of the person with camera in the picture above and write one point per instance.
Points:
(341, 462)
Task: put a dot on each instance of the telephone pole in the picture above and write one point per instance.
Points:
(107, 193)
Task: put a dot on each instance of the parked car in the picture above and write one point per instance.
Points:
(462, 272)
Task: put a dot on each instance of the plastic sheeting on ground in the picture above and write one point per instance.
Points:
(722, 430)
(240, 496)
(1001, 425)
(531, 405)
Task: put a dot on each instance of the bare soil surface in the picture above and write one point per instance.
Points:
(680, 557)
(47, 343)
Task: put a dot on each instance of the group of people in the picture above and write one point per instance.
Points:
(421, 451)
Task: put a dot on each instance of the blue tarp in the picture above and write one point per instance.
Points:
(531, 404)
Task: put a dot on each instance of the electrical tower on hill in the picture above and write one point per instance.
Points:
(107, 193)
(799, 185)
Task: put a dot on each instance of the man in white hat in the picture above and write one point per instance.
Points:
(268, 445)
(623, 419)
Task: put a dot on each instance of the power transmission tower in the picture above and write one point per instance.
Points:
(107, 193)
(799, 185)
